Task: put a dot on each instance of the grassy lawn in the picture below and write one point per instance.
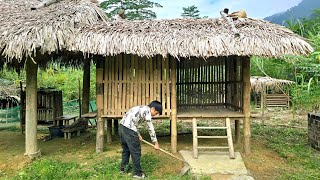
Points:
(278, 153)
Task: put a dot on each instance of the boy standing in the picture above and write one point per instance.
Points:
(130, 137)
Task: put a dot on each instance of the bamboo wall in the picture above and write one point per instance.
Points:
(234, 83)
(49, 105)
(130, 80)
(209, 83)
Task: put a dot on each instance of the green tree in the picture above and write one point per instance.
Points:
(134, 9)
(191, 12)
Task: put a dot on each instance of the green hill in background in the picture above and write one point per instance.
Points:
(303, 10)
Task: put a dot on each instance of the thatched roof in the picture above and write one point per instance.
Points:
(190, 37)
(257, 83)
(78, 26)
(24, 31)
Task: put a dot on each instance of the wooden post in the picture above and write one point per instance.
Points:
(22, 118)
(262, 94)
(99, 96)
(195, 138)
(31, 111)
(237, 130)
(246, 104)
(116, 126)
(85, 86)
(109, 131)
(173, 105)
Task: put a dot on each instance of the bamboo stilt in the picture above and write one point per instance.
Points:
(246, 104)
(174, 106)
(99, 96)
(85, 87)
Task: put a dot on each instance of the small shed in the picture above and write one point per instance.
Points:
(49, 105)
(271, 92)
(9, 101)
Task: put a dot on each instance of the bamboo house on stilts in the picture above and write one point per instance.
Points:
(197, 68)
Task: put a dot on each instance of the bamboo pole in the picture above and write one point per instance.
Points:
(113, 93)
(167, 86)
(31, 111)
(246, 104)
(174, 106)
(86, 86)
(99, 99)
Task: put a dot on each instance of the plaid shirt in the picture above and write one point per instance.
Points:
(136, 115)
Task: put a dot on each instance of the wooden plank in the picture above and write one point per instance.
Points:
(106, 82)
(113, 85)
(143, 81)
(121, 85)
(116, 84)
(152, 76)
(147, 64)
(135, 89)
(158, 68)
(163, 83)
(194, 138)
(138, 82)
(108, 85)
(168, 93)
(132, 79)
(126, 94)
(230, 142)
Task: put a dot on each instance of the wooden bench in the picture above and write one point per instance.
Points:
(68, 131)
(63, 120)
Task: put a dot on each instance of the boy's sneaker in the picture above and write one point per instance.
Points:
(141, 176)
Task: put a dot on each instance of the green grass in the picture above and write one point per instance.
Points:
(292, 145)
(106, 169)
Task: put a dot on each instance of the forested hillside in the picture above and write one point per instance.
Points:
(302, 10)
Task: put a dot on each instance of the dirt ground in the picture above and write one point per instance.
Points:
(262, 163)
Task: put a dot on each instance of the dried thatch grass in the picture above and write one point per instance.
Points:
(190, 37)
(260, 83)
(24, 31)
(76, 25)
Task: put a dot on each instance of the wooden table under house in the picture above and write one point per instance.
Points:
(215, 88)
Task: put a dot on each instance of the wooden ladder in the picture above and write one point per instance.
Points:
(196, 137)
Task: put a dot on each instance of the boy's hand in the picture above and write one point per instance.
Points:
(156, 146)
(140, 137)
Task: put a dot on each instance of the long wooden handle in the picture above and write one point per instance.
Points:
(163, 150)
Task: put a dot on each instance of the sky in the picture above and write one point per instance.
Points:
(254, 8)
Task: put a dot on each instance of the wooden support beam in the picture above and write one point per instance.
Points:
(237, 131)
(109, 131)
(246, 105)
(99, 99)
(31, 110)
(116, 126)
(85, 87)
(173, 105)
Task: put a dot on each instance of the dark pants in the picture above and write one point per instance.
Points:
(130, 146)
